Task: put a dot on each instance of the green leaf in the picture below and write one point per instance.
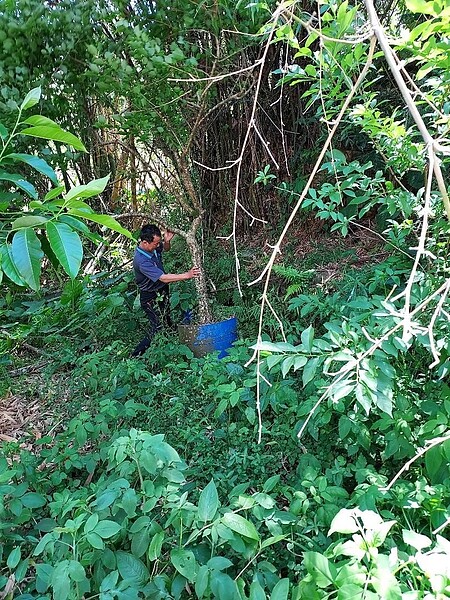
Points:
(28, 221)
(344, 522)
(308, 338)
(416, 540)
(106, 529)
(43, 577)
(93, 188)
(310, 370)
(31, 98)
(20, 182)
(323, 572)
(66, 245)
(132, 569)
(14, 558)
(140, 542)
(223, 587)
(256, 591)
(280, 590)
(26, 254)
(95, 540)
(91, 523)
(76, 571)
(240, 525)
(54, 193)
(154, 550)
(47, 129)
(184, 562)
(33, 500)
(287, 364)
(345, 426)
(273, 540)
(208, 502)
(3, 132)
(74, 223)
(105, 220)
(60, 580)
(271, 483)
(37, 163)
(362, 397)
(420, 6)
(201, 581)
(219, 563)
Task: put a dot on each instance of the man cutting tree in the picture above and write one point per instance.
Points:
(153, 281)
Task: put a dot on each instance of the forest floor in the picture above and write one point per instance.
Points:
(25, 409)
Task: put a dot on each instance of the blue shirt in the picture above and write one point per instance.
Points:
(148, 268)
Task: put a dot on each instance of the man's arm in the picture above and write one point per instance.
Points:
(173, 277)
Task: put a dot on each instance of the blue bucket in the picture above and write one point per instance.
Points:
(212, 337)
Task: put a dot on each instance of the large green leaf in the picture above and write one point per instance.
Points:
(31, 98)
(280, 590)
(208, 502)
(107, 528)
(28, 221)
(184, 562)
(257, 591)
(105, 220)
(93, 188)
(240, 525)
(20, 182)
(27, 255)
(66, 245)
(43, 127)
(37, 163)
(8, 266)
(322, 570)
(3, 132)
(132, 569)
(74, 223)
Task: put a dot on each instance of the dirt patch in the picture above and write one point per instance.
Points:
(27, 414)
(20, 417)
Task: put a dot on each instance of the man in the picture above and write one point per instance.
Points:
(153, 282)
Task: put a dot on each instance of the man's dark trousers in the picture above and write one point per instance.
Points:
(156, 306)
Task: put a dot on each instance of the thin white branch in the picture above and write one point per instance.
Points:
(435, 353)
(268, 268)
(422, 451)
(367, 353)
(406, 94)
(266, 146)
(219, 77)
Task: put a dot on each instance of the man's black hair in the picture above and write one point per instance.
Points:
(148, 233)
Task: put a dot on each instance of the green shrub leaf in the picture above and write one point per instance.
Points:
(132, 569)
(27, 254)
(66, 245)
(280, 590)
(208, 502)
(45, 128)
(106, 529)
(31, 99)
(240, 525)
(36, 163)
(20, 182)
(8, 266)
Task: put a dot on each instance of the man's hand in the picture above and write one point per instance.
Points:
(168, 235)
(193, 272)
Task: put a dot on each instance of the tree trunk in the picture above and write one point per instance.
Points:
(204, 310)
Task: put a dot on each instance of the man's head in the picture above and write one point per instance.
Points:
(150, 237)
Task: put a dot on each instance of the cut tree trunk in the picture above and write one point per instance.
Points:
(204, 310)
